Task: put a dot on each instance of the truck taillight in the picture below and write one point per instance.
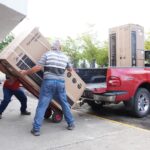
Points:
(114, 81)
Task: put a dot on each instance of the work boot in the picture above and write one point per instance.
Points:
(35, 133)
(70, 126)
(26, 113)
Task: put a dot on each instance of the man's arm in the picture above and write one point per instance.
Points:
(69, 67)
(32, 70)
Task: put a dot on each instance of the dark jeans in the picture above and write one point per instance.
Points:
(7, 98)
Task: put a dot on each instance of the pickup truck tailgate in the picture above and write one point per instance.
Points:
(97, 87)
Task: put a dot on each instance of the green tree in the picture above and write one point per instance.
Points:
(90, 49)
(86, 49)
(102, 57)
(72, 48)
(93, 52)
(147, 42)
(6, 41)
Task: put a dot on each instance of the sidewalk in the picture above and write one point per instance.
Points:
(91, 132)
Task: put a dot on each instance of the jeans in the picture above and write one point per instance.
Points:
(50, 89)
(7, 98)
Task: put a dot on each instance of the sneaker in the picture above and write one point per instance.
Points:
(26, 113)
(35, 133)
(0, 116)
(71, 126)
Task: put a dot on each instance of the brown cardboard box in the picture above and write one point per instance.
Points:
(126, 45)
(23, 53)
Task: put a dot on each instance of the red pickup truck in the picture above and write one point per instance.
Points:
(130, 85)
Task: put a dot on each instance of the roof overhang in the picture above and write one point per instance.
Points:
(9, 18)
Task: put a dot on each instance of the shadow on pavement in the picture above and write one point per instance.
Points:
(118, 112)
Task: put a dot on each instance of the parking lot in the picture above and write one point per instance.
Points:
(111, 128)
(118, 112)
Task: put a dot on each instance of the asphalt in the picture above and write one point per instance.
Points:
(91, 133)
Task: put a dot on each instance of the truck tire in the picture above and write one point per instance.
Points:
(141, 102)
(95, 106)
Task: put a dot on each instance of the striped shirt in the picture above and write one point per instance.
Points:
(54, 62)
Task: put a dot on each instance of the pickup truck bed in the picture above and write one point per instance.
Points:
(130, 85)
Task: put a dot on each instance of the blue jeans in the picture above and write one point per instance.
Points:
(7, 98)
(50, 89)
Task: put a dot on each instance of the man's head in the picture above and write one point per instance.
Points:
(56, 45)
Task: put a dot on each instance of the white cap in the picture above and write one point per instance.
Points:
(56, 45)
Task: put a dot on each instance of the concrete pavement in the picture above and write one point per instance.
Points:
(91, 132)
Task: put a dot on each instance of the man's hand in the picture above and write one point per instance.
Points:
(32, 70)
(69, 69)
(24, 72)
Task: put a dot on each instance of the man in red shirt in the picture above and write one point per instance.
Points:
(12, 87)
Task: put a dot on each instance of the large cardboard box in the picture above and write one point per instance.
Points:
(126, 45)
(23, 53)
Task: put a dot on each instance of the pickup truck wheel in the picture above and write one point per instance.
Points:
(95, 106)
(141, 102)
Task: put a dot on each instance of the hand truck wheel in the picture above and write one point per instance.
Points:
(57, 116)
(48, 113)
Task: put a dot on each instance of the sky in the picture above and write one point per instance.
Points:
(62, 18)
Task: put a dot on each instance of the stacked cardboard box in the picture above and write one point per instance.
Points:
(23, 53)
(126, 46)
